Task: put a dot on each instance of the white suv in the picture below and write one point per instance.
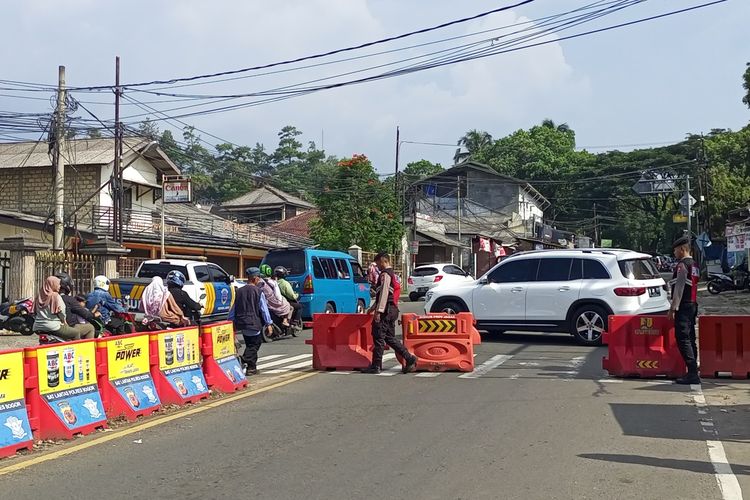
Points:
(426, 277)
(558, 291)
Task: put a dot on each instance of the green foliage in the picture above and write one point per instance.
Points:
(357, 208)
(746, 85)
(417, 170)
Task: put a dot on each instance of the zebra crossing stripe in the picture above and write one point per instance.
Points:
(488, 365)
(428, 374)
(269, 358)
(304, 364)
(283, 361)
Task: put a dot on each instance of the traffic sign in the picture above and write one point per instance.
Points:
(679, 218)
(687, 201)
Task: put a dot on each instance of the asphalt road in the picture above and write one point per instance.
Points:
(538, 419)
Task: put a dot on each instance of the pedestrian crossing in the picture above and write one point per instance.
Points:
(522, 366)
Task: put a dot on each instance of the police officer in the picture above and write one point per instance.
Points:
(684, 308)
(386, 311)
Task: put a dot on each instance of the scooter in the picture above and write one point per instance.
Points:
(738, 280)
(16, 316)
(282, 332)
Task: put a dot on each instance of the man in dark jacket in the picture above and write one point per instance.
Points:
(76, 315)
(190, 308)
(250, 315)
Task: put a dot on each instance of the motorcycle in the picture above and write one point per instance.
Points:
(282, 332)
(739, 280)
(16, 316)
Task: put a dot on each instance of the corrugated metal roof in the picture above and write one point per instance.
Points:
(266, 195)
(77, 151)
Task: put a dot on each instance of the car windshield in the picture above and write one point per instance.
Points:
(160, 269)
(639, 269)
(424, 271)
(293, 260)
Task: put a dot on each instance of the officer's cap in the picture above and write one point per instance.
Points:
(684, 240)
(252, 272)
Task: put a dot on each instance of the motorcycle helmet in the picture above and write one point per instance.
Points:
(66, 282)
(176, 278)
(101, 282)
(281, 272)
(266, 271)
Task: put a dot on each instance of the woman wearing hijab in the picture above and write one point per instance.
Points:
(49, 313)
(159, 303)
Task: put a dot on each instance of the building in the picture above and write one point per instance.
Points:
(472, 215)
(26, 204)
(264, 205)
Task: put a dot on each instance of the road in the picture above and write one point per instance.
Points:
(538, 419)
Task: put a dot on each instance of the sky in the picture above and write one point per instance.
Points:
(650, 83)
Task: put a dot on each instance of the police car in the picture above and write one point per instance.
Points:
(206, 283)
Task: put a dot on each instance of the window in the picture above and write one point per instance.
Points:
(317, 268)
(576, 270)
(639, 269)
(359, 273)
(161, 270)
(425, 271)
(343, 268)
(218, 274)
(454, 270)
(594, 270)
(293, 260)
(329, 267)
(515, 271)
(554, 269)
(202, 274)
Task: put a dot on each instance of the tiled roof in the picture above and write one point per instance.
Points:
(298, 225)
(266, 195)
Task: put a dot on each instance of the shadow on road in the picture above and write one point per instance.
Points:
(665, 463)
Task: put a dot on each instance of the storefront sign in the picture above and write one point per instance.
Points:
(177, 191)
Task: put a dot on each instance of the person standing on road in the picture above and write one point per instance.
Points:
(250, 315)
(386, 311)
(684, 308)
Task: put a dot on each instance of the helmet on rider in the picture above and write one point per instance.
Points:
(281, 272)
(101, 282)
(66, 282)
(176, 278)
(266, 271)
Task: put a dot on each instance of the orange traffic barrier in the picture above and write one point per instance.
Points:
(642, 346)
(62, 392)
(724, 346)
(441, 342)
(220, 364)
(125, 382)
(341, 341)
(176, 365)
(15, 433)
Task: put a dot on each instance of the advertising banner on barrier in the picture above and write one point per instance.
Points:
(220, 364)
(128, 372)
(179, 363)
(67, 383)
(15, 431)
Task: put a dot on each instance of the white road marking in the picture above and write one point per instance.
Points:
(283, 361)
(610, 381)
(344, 372)
(727, 481)
(428, 374)
(304, 364)
(488, 365)
(393, 369)
(270, 357)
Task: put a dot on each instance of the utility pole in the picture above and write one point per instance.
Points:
(117, 218)
(59, 235)
(398, 147)
(458, 213)
(596, 228)
(689, 208)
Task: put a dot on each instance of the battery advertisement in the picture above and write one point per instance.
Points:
(180, 362)
(14, 421)
(128, 371)
(67, 382)
(225, 355)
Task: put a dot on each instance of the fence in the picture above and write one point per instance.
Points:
(127, 266)
(397, 261)
(81, 269)
(4, 272)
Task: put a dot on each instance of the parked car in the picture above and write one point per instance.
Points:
(206, 283)
(327, 281)
(570, 291)
(428, 276)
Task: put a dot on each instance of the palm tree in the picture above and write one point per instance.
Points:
(473, 142)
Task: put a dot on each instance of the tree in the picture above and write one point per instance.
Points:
(93, 133)
(473, 142)
(746, 85)
(149, 130)
(356, 208)
(417, 170)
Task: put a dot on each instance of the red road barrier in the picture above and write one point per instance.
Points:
(220, 364)
(724, 346)
(61, 391)
(15, 431)
(341, 341)
(642, 346)
(123, 371)
(176, 367)
(441, 342)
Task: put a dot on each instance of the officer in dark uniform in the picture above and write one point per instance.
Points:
(684, 308)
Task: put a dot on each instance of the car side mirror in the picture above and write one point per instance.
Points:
(483, 281)
(231, 278)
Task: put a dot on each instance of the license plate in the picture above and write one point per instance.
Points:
(422, 289)
(654, 291)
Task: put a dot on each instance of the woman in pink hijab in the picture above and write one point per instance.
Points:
(49, 313)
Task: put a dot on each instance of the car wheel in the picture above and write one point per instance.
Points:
(450, 307)
(330, 308)
(361, 307)
(713, 288)
(414, 296)
(588, 324)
